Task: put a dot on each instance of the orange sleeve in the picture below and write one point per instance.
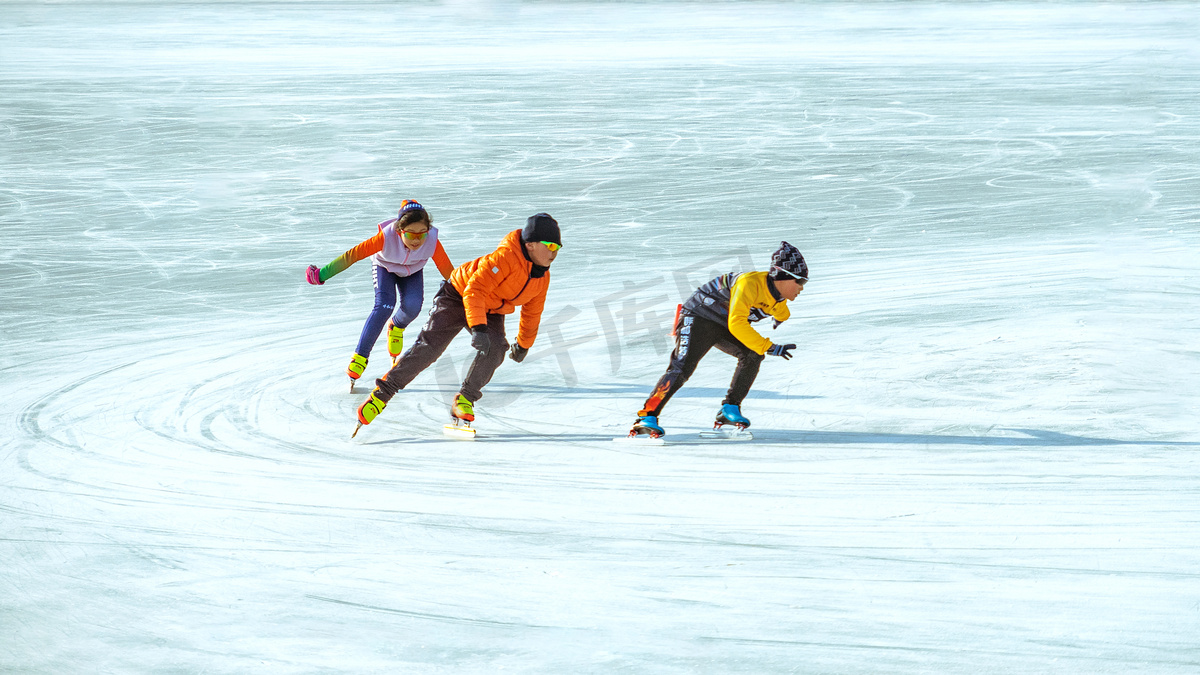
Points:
(367, 248)
(531, 318)
(442, 261)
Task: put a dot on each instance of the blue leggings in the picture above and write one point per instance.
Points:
(412, 294)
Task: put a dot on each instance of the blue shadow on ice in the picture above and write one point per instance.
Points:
(1034, 438)
(639, 391)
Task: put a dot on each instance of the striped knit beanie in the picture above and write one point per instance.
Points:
(787, 263)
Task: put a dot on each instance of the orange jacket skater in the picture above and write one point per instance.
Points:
(398, 255)
(477, 296)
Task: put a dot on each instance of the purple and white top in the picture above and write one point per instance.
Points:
(396, 257)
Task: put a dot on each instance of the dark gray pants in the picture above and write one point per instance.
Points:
(694, 336)
(446, 320)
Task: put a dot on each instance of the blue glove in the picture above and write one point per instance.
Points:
(517, 353)
(480, 339)
(781, 350)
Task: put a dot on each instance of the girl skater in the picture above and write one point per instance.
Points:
(398, 255)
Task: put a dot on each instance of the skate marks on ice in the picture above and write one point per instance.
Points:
(143, 413)
(222, 489)
(232, 411)
(428, 616)
(211, 491)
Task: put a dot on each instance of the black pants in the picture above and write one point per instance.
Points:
(447, 318)
(694, 336)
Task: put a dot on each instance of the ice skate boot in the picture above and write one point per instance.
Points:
(463, 413)
(368, 411)
(732, 415)
(395, 341)
(647, 425)
(358, 364)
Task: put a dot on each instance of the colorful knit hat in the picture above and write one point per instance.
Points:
(787, 263)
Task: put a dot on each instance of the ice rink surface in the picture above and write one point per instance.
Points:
(984, 459)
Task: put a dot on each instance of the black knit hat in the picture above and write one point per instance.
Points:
(787, 263)
(541, 227)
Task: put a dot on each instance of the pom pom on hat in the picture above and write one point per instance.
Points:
(409, 205)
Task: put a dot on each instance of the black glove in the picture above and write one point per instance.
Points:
(781, 350)
(517, 353)
(480, 339)
(776, 324)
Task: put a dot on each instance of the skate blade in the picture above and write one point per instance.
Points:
(728, 434)
(641, 439)
(459, 432)
(360, 426)
(352, 386)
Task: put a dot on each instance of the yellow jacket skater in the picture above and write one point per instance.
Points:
(719, 314)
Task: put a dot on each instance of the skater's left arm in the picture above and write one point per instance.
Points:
(442, 261)
(531, 318)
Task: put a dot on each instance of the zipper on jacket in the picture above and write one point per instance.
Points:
(527, 280)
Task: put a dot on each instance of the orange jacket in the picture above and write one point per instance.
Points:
(498, 283)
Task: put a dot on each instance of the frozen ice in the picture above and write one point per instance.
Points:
(982, 459)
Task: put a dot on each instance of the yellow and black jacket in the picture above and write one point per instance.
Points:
(737, 300)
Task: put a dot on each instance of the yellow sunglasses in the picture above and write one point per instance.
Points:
(551, 245)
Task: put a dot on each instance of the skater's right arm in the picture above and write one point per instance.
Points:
(363, 250)
(531, 318)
